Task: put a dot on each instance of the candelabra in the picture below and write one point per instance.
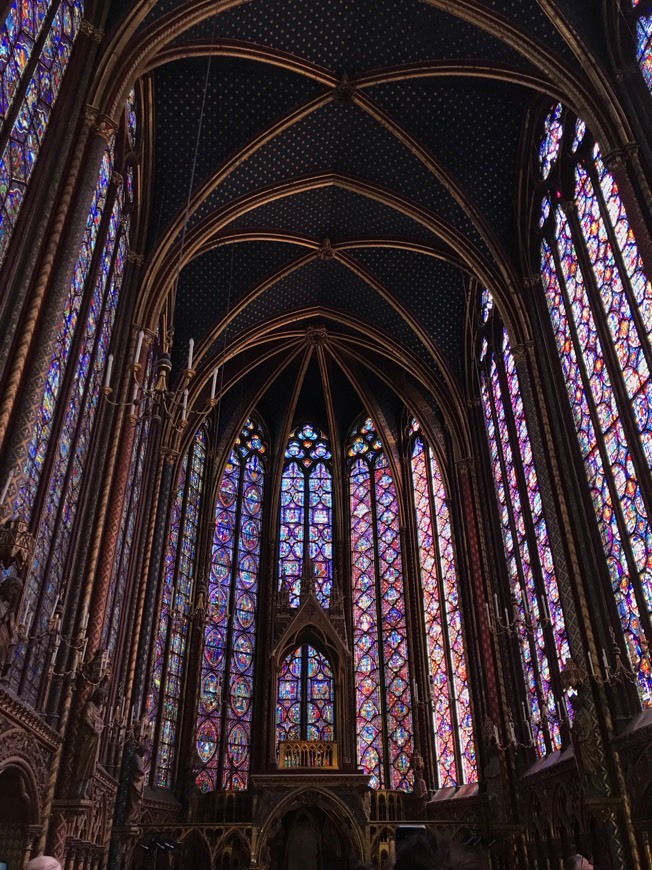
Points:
(518, 623)
(122, 730)
(620, 672)
(158, 401)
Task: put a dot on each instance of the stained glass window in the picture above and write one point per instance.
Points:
(305, 705)
(380, 647)
(223, 741)
(174, 612)
(643, 24)
(600, 304)
(534, 611)
(24, 54)
(306, 531)
(451, 702)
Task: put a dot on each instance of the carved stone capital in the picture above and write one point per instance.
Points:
(102, 125)
(567, 206)
(626, 72)
(169, 455)
(532, 282)
(91, 31)
(521, 352)
(464, 466)
(136, 259)
(619, 157)
(117, 178)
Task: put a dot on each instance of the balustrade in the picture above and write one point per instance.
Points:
(310, 754)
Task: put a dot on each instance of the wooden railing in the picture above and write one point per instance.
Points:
(311, 754)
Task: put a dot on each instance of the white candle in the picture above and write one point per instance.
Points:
(84, 623)
(191, 348)
(109, 369)
(5, 488)
(525, 717)
(139, 346)
(526, 606)
(54, 609)
(184, 407)
(415, 691)
(510, 732)
(591, 665)
(29, 616)
(546, 608)
(134, 397)
(486, 604)
(605, 660)
(506, 618)
(496, 604)
(214, 383)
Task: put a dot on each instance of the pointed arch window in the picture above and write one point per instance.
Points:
(600, 305)
(37, 40)
(642, 17)
(535, 610)
(305, 705)
(447, 669)
(306, 528)
(380, 645)
(223, 737)
(174, 612)
(69, 406)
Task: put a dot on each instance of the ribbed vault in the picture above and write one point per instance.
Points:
(355, 165)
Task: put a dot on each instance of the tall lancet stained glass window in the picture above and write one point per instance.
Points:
(305, 700)
(36, 42)
(69, 406)
(449, 687)
(380, 645)
(533, 606)
(174, 612)
(306, 527)
(223, 738)
(600, 305)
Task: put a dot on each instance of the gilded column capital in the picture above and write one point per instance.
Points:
(117, 178)
(137, 260)
(619, 157)
(88, 29)
(169, 454)
(465, 465)
(100, 123)
(522, 351)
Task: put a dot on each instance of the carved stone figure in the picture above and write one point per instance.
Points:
(586, 743)
(86, 744)
(136, 783)
(10, 592)
(420, 789)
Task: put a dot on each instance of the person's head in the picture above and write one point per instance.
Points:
(427, 852)
(43, 862)
(579, 862)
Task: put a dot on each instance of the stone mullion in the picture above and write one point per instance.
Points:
(625, 165)
(195, 649)
(31, 387)
(418, 644)
(57, 165)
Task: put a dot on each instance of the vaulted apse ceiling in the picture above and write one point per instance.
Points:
(348, 163)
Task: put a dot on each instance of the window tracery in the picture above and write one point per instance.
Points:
(223, 740)
(643, 24)
(380, 645)
(600, 306)
(447, 669)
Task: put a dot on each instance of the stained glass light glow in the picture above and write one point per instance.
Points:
(535, 606)
(30, 122)
(174, 614)
(452, 716)
(644, 46)
(306, 529)
(380, 649)
(305, 705)
(223, 741)
(601, 317)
